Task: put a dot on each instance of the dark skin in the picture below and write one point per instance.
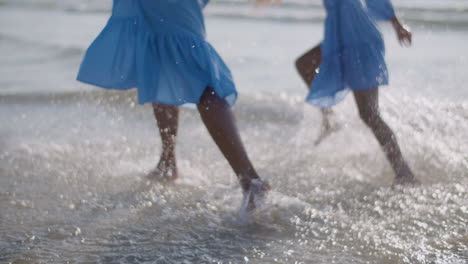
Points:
(167, 118)
(307, 66)
(367, 102)
(220, 122)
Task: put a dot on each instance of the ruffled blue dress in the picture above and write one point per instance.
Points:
(158, 47)
(352, 50)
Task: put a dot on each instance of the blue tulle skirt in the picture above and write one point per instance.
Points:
(352, 54)
(158, 47)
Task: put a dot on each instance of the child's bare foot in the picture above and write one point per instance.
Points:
(329, 126)
(165, 171)
(255, 194)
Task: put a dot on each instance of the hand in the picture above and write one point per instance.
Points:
(404, 36)
(403, 33)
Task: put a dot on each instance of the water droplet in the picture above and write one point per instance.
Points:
(77, 231)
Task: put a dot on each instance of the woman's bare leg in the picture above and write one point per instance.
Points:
(167, 117)
(307, 66)
(220, 122)
(368, 105)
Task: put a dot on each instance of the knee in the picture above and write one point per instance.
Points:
(211, 99)
(299, 64)
(208, 96)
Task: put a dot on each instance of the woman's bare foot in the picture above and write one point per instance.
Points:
(255, 194)
(165, 171)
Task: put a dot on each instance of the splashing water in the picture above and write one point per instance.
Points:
(73, 160)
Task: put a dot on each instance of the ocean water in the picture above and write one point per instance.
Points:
(73, 158)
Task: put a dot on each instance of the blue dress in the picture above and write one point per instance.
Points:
(158, 47)
(352, 50)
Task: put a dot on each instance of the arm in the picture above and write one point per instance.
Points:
(383, 10)
(404, 35)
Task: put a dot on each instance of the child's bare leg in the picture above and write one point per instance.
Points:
(307, 67)
(326, 112)
(327, 128)
(167, 117)
(307, 64)
(220, 122)
(368, 105)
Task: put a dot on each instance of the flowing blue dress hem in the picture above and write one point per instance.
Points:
(230, 98)
(353, 51)
(166, 64)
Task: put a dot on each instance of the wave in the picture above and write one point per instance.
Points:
(427, 11)
(84, 5)
(90, 5)
(420, 16)
(268, 106)
(57, 51)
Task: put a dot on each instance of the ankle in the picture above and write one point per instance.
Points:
(167, 163)
(245, 183)
(247, 172)
(246, 179)
(168, 156)
(404, 171)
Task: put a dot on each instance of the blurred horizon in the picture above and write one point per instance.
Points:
(450, 12)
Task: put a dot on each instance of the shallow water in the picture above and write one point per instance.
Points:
(73, 159)
(73, 189)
